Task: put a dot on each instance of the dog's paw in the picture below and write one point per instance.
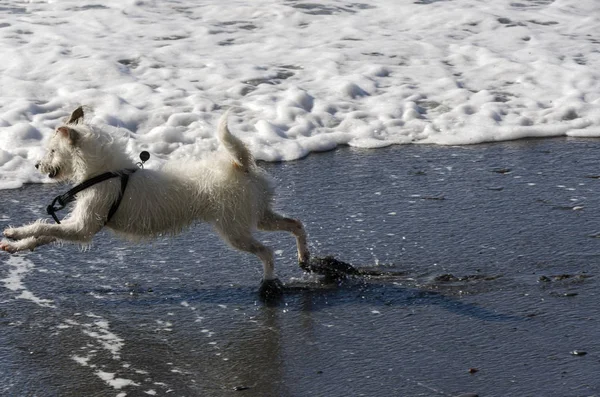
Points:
(11, 249)
(12, 233)
(303, 259)
(271, 290)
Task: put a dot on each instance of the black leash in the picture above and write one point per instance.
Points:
(63, 200)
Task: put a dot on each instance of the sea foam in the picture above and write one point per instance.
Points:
(303, 76)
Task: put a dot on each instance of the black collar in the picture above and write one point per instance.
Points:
(63, 200)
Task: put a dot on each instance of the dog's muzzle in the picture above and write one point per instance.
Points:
(52, 173)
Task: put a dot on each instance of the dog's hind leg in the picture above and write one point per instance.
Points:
(244, 241)
(272, 221)
(270, 288)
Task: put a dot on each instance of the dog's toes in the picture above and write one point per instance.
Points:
(9, 233)
(303, 260)
(304, 265)
(271, 290)
(8, 248)
(12, 233)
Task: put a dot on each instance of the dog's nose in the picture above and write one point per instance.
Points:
(37, 165)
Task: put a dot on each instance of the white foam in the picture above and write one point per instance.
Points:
(100, 331)
(306, 76)
(20, 267)
(103, 339)
(116, 383)
(83, 361)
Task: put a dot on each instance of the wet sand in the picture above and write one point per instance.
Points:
(492, 254)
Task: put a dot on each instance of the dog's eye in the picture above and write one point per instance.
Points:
(52, 151)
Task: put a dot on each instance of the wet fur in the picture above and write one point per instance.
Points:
(226, 189)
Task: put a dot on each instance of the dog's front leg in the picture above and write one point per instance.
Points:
(80, 232)
(23, 232)
(25, 244)
(16, 233)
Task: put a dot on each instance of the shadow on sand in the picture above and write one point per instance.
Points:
(358, 285)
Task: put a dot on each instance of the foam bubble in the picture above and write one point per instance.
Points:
(458, 72)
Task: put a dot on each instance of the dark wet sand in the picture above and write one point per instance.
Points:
(495, 285)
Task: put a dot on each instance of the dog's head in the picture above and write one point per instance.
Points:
(78, 151)
(58, 162)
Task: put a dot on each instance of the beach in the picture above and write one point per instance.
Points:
(448, 150)
(488, 255)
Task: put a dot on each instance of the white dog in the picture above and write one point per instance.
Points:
(226, 189)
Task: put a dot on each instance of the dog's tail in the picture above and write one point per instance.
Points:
(242, 156)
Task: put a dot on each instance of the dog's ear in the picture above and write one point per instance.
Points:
(76, 116)
(68, 133)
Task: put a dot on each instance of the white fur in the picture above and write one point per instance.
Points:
(226, 189)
